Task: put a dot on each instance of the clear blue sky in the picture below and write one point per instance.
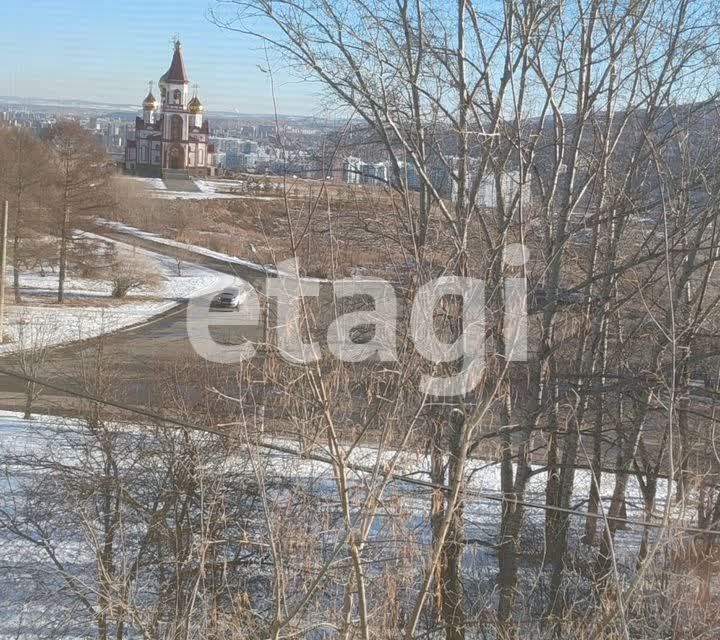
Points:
(107, 50)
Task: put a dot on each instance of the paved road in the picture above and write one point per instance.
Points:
(141, 360)
(146, 366)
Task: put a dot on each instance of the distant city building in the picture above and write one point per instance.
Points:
(352, 170)
(487, 195)
(375, 173)
(442, 174)
(356, 171)
(409, 175)
(172, 136)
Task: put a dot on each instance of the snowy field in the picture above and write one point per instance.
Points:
(153, 184)
(91, 311)
(206, 190)
(28, 573)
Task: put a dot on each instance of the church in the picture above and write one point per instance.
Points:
(172, 137)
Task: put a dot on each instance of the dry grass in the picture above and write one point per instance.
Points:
(337, 231)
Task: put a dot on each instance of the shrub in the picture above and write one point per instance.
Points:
(133, 273)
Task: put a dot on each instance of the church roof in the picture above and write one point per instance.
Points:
(195, 106)
(177, 73)
(150, 103)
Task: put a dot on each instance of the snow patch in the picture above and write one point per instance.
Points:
(32, 326)
(224, 257)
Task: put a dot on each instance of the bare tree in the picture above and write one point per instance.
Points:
(36, 334)
(130, 272)
(82, 176)
(25, 181)
(483, 93)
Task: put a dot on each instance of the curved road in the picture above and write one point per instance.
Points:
(140, 360)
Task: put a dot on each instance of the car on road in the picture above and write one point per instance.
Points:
(230, 298)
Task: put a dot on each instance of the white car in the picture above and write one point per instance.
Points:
(230, 298)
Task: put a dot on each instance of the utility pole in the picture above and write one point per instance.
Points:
(3, 252)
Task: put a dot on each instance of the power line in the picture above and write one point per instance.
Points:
(427, 484)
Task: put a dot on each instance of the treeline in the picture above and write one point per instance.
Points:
(53, 184)
(606, 116)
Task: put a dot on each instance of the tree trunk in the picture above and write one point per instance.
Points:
(16, 254)
(557, 546)
(63, 257)
(437, 476)
(453, 604)
(448, 586)
(604, 561)
(29, 397)
(16, 269)
(508, 565)
(552, 486)
(595, 480)
(509, 548)
(649, 489)
(64, 235)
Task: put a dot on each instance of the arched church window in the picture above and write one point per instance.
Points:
(176, 128)
(163, 93)
(177, 95)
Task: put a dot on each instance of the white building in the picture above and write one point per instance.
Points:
(352, 170)
(355, 171)
(409, 175)
(172, 136)
(375, 173)
(487, 195)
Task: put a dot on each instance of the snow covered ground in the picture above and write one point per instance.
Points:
(207, 190)
(482, 506)
(155, 184)
(154, 237)
(26, 565)
(91, 310)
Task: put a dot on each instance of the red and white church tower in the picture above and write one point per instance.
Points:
(172, 137)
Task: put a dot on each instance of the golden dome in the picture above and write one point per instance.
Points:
(195, 106)
(150, 103)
